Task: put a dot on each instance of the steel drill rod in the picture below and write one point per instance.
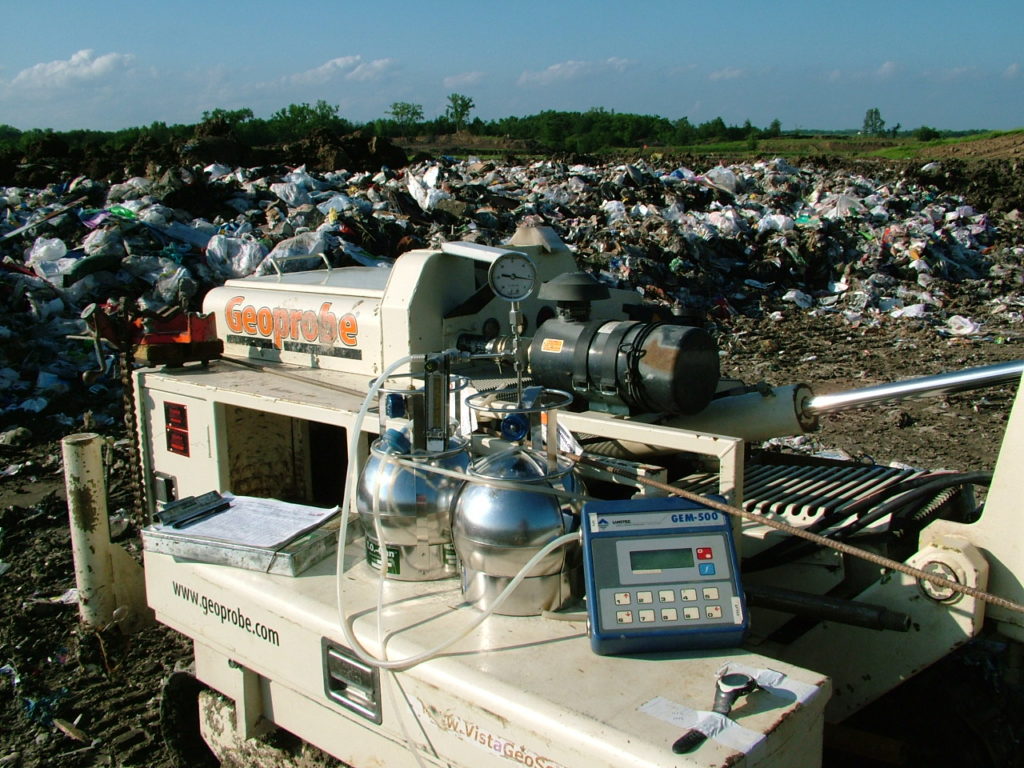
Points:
(940, 384)
(828, 608)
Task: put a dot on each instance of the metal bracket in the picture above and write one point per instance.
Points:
(351, 683)
(276, 261)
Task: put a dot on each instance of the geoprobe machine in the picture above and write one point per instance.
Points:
(492, 594)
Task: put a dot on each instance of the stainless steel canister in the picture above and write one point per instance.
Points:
(411, 506)
(498, 528)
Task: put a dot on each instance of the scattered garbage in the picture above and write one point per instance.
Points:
(962, 326)
(16, 437)
(9, 672)
(71, 730)
(42, 709)
(755, 239)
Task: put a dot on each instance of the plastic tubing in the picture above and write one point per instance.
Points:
(351, 486)
(429, 654)
(346, 625)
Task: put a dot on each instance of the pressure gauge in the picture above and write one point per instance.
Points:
(512, 276)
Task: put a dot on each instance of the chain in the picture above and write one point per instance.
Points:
(126, 361)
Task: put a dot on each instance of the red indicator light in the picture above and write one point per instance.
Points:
(177, 442)
(176, 415)
(176, 423)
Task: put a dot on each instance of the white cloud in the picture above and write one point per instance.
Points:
(566, 71)
(561, 72)
(1012, 71)
(834, 76)
(348, 67)
(83, 66)
(370, 70)
(957, 73)
(326, 71)
(729, 73)
(888, 69)
(463, 79)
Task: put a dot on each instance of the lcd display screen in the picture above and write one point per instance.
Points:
(652, 560)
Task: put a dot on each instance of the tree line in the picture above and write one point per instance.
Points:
(550, 130)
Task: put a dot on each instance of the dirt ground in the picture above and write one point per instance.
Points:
(75, 698)
(1008, 146)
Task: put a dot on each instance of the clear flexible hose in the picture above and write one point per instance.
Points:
(351, 487)
(345, 623)
(426, 655)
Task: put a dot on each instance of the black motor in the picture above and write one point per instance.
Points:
(621, 364)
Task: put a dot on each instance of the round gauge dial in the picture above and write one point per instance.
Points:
(512, 276)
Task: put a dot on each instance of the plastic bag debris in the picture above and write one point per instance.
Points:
(104, 242)
(197, 234)
(914, 310)
(775, 222)
(8, 378)
(291, 194)
(174, 284)
(962, 326)
(218, 171)
(16, 436)
(840, 207)
(762, 239)
(801, 299)
(50, 383)
(614, 210)
(302, 180)
(339, 203)
(34, 405)
(47, 249)
(723, 178)
(234, 256)
(424, 191)
(306, 246)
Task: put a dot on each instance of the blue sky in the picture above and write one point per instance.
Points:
(109, 65)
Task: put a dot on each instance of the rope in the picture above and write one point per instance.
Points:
(838, 546)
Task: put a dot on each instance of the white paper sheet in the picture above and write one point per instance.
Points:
(255, 522)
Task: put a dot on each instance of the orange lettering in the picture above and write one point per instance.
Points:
(328, 323)
(265, 321)
(280, 323)
(232, 315)
(249, 319)
(310, 326)
(348, 330)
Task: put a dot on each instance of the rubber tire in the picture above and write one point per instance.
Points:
(949, 716)
(179, 722)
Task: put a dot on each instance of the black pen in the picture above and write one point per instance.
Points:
(201, 515)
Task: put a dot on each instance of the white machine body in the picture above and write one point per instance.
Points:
(274, 418)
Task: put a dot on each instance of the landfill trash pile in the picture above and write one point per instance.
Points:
(753, 239)
(819, 274)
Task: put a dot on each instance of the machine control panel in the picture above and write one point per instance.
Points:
(661, 575)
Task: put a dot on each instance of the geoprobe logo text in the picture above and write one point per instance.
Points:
(298, 325)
